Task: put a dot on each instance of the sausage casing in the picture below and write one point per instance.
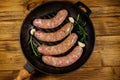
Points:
(65, 60)
(54, 36)
(59, 48)
(53, 22)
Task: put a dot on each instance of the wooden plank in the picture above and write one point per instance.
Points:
(10, 7)
(106, 26)
(106, 52)
(11, 16)
(97, 7)
(94, 60)
(111, 58)
(10, 30)
(12, 61)
(104, 73)
(105, 11)
(98, 10)
(9, 46)
(117, 71)
(14, 66)
(98, 2)
(16, 1)
(109, 49)
(6, 75)
(11, 56)
(87, 2)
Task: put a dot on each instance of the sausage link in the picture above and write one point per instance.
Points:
(54, 36)
(59, 48)
(53, 22)
(64, 61)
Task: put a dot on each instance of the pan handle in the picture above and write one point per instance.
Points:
(25, 72)
(80, 4)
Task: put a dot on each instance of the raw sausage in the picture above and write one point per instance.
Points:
(65, 60)
(53, 22)
(59, 48)
(54, 36)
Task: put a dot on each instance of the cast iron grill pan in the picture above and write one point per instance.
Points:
(49, 10)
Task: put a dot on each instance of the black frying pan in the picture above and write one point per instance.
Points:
(34, 63)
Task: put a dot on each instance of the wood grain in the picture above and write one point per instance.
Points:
(104, 73)
(104, 63)
(103, 26)
(109, 50)
(117, 71)
(6, 75)
(107, 26)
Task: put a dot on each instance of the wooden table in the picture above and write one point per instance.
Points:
(104, 63)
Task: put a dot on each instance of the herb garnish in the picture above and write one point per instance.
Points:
(80, 24)
(34, 49)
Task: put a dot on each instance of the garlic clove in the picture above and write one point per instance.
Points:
(32, 31)
(81, 44)
(71, 19)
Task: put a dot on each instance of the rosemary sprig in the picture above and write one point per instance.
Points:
(78, 17)
(33, 47)
(80, 24)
